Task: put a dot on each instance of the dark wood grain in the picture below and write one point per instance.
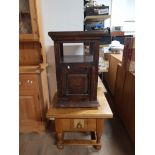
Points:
(77, 75)
(76, 35)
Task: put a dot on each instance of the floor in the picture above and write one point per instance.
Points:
(115, 141)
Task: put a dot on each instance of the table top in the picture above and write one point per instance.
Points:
(103, 111)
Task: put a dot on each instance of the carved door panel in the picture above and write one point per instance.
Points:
(76, 81)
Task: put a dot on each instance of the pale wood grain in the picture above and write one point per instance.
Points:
(40, 28)
(113, 61)
(103, 111)
(33, 101)
(125, 99)
(33, 69)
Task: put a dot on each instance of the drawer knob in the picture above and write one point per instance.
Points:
(68, 67)
(29, 81)
(79, 125)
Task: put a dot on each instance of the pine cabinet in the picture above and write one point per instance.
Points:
(33, 85)
(33, 102)
(30, 98)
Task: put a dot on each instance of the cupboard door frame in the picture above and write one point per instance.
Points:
(33, 14)
(36, 104)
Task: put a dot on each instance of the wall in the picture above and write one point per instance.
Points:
(120, 10)
(60, 15)
(123, 10)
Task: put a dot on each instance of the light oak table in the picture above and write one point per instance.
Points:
(81, 120)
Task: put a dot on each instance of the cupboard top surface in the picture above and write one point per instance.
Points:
(77, 59)
(76, 35)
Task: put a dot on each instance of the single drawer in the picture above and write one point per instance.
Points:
(28, 82)
(79, 124)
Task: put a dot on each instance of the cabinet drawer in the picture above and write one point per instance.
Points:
(28, 82)
(79, 124)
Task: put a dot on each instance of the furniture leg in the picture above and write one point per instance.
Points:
(59, 132)
(60, 141)
(99, 131)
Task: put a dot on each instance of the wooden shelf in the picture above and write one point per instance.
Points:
(96, 18)
(77, 58)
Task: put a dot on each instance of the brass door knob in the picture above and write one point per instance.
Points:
(79, 125)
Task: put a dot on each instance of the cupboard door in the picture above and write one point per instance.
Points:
(75, 81)
(30, 107)
(27, 20)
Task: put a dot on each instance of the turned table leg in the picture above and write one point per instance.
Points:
(60, 141)
(99, 131)
(59, 132)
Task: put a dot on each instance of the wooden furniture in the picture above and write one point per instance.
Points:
(125, 99)
(77, 74)
(33, 87)
(31, 40)
(81, 120)
(33, 98)
(110, 78)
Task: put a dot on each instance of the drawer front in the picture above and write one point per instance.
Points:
(79, 124)
(28, 82)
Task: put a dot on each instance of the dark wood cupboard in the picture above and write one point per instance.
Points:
(77, 74)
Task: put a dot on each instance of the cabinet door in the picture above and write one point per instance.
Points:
(27, 20)
(30, 107)
(75, 81)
